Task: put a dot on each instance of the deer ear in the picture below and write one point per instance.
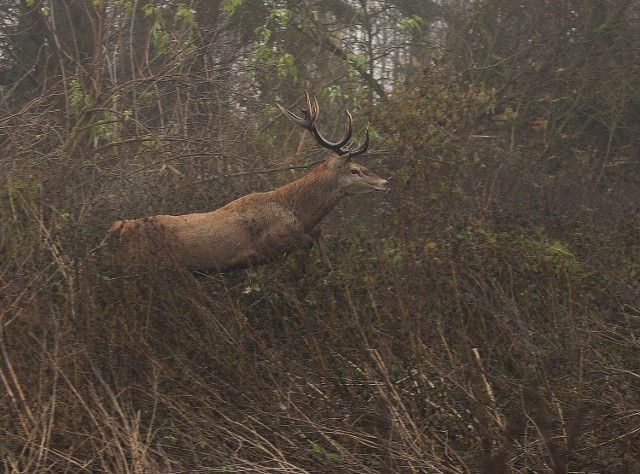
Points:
(346, 158)
(336, 162)
(342, 160)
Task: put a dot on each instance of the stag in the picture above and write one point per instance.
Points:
(259, 227)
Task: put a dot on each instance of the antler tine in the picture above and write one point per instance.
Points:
(335, 146)
(310, 112)
(314, 108)
(302, 121)
(306, 120)
(309, 120)
(362, 148)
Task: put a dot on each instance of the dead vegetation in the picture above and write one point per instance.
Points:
(482, 317)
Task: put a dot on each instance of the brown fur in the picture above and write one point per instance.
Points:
(259, 227)
(251, 230)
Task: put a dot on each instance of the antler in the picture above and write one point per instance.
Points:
(309, 121)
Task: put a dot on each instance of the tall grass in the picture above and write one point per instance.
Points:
(479, 350)
(484, 318)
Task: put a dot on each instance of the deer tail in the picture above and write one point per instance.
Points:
(117, 226)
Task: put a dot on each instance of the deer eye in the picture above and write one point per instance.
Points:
(355, 171)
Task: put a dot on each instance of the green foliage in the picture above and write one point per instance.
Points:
(267, 55)
(77, 96)
(108, 127)
(282, 16)
(413, 22)
(519, 262)
(329, 456)
(186, 13)
(230, 6)
(159, 36)
(357, 60)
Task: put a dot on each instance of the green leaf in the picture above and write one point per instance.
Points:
(283, 16)
(185, 13)
(76, 95)
(230, 6)
(414, 22)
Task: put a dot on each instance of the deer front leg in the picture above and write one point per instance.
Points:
(316, 235)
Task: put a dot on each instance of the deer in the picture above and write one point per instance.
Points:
(263, 226)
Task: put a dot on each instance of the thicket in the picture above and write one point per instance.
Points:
(482, 317)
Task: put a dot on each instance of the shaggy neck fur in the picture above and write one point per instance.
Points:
(311, 197)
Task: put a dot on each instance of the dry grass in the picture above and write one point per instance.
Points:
(449, 338)
(490, 351)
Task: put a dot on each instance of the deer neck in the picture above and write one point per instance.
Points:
(312, 197)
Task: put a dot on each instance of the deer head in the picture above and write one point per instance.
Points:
(352, 177)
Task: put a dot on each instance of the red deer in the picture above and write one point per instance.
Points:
(259, 227)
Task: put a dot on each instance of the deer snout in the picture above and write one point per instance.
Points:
(383, 185)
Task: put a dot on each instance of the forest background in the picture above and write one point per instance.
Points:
(482, 317)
